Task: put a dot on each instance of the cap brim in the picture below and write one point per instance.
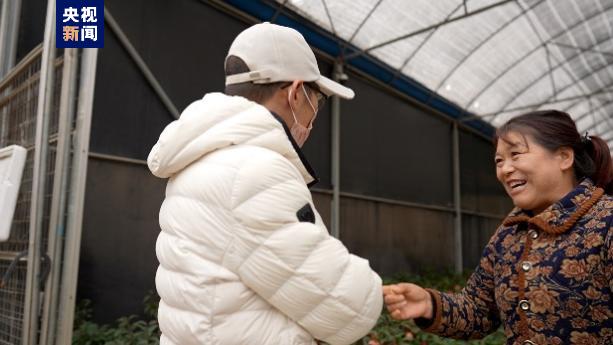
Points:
(332, 88)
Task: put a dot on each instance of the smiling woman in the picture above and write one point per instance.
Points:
(540, 157)
(533, 176)
(555, 139)
(546, 274)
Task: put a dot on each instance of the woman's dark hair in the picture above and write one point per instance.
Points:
(553, 129)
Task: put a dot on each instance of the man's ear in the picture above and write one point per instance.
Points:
(294, 94)
(567, 157)
(294, 88)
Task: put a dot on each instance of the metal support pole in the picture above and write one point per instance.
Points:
(9, 25)
(336, 154)
(76, 199)
(58, 202)
(43, 114)
(140, 63)
(457, 200)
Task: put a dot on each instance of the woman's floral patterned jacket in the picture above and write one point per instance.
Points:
(547, 279)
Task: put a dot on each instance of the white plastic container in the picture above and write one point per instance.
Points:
(12, 161)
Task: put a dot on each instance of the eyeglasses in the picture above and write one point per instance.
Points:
(321, 97)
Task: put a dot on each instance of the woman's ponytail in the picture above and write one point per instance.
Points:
(599, 152)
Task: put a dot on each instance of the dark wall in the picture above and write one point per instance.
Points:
(31, 26)
(183, 42)
(128, 117)
(120, 227)
(392, 149)
(397, 238)
(476, 233)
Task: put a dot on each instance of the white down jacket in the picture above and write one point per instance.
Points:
(244, 256)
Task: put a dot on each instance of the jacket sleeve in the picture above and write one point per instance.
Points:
(295, 264)
(472, 313)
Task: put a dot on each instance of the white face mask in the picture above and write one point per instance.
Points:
(299, 132)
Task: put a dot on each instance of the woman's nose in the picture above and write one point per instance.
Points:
(507, 167)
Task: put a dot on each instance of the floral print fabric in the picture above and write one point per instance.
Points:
(546, 279)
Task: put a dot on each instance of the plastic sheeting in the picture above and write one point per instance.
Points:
(494, 58)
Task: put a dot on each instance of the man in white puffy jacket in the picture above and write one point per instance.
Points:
(244, 256)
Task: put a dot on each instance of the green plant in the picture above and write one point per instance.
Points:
(127, 330)
(132, 331)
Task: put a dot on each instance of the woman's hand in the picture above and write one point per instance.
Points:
(407, 301)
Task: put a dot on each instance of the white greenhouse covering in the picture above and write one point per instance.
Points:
(493, 58)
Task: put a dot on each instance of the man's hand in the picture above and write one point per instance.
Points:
(407, 301)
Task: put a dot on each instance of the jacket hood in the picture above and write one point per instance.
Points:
(218, 121)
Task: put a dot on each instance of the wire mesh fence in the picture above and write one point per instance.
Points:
(19, 93)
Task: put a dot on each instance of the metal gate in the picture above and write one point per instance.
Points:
(45, 106)
(18, 104)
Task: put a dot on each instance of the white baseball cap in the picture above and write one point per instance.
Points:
(277, 53)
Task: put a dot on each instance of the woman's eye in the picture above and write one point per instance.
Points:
(497, 161)
(515, 153)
